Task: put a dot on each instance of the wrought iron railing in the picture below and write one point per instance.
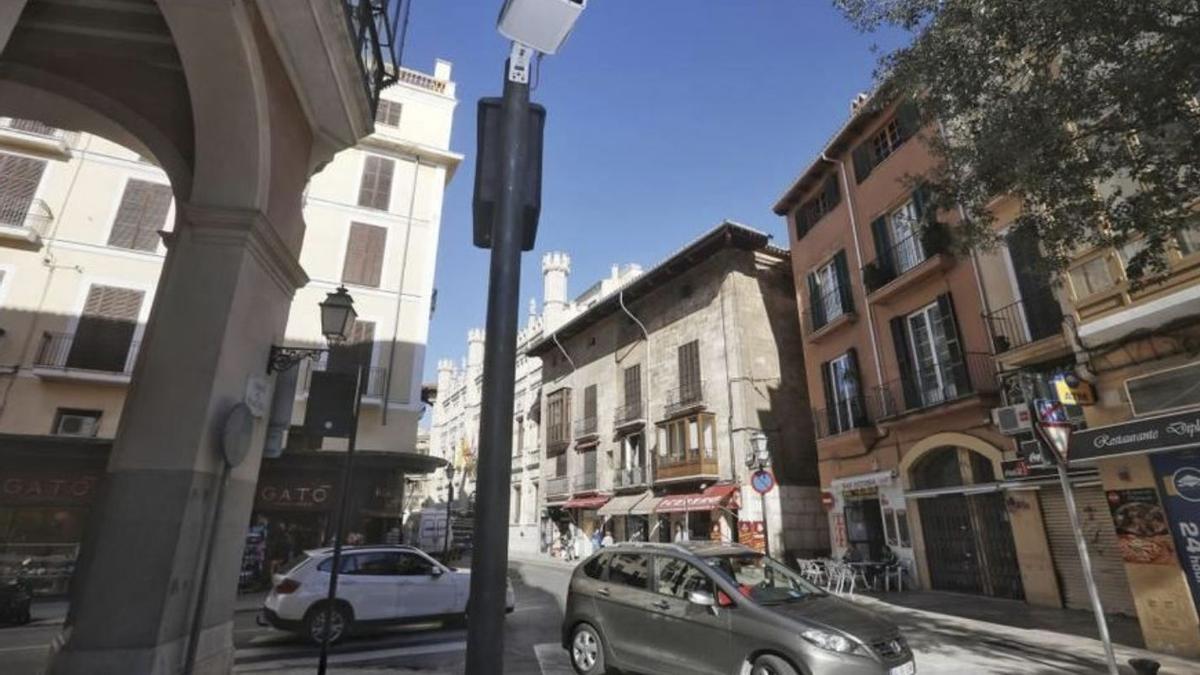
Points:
(373, 387)
(1014, 326)
(585, 426)
(105, 355)
(633, 477)
(419, 79)
(377, 28)
(628, 414)
(558, 486)
(826, 307)
(905, 254)
(841, 418)
(932, 386)
(687, 396)
(584, 482)
(30, 214)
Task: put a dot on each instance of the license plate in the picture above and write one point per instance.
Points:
(909, 668)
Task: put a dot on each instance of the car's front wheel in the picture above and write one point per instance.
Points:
(587, 651)
(769, 664)
(339, 623)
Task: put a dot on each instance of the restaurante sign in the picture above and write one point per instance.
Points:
(1167, 432)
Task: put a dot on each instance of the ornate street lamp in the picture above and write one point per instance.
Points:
(762, 481)
(337, 322)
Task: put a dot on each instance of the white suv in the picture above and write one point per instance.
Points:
(376, 585)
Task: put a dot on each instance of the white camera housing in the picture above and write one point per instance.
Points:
(541, 24)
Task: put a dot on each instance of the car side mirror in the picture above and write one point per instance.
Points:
(702, 598)
(435, 572)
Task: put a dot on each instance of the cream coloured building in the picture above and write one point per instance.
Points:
(80, 258)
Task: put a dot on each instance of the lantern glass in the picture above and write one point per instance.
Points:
(337, 316)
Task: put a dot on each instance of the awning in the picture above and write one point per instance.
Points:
(620, 506)
(645, 507)
(712, 498)
(586, 502)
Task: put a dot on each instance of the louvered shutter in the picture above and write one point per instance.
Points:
(633, 386)
(864, 161)
(908, 375)
(858, 402)
(19, 179)
(589, 402)
(908, 120)
(949, 324)
(142, 213)
(842, 270)
(1103, 549)
(883, 243)
(376, 189)
(104, 334)
(689, 371)
(833, 195)
(830, 421)
(364, 255)
(816, 308)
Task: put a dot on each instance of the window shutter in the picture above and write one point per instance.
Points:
(950, 332)
(883, 243)
(830, 400)
(19, 179)
(376, 189)
(633, 385)
(833, 195)
(689, 370)
(908, 374)
(858, 403)
(815, 308)
(864, 162)
(364, 255)
(104, 334)
(842, 270)
(801, 218)
(142, 213)
(908, 120)
(589, 401)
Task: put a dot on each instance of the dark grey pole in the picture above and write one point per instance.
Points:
(489, 559)
(766, 527)
(339, 524)
(449, 512)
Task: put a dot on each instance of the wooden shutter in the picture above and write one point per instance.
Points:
(802, 221)
(689, 371)
(908, 374)
(816, 308)
(842, 270)
(376, 189)
(949, 324)
(633, 385)
(883, 243)
(589, 402)
(908, 120)
(142, 213)
(364, 255)
(356, 351)
(859, 403)
(864, 161)
(104, 334)
(833, 195)
(19, 179)
(831, 422)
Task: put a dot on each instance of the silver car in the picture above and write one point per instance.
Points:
(717, 609)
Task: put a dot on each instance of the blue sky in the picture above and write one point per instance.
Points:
(664, 117)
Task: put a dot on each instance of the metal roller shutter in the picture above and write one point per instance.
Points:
(1098, 530)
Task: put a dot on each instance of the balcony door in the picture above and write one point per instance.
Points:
(1043, 315)
(104, 334)
(933, 355)
(689, 372)
(902, 224)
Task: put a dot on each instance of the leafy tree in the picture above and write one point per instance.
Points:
(1086, 110)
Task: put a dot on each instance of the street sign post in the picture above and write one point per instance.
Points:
(763, 481)
(1051, 427)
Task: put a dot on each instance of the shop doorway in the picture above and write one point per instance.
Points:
(864, 528)
(968, 538)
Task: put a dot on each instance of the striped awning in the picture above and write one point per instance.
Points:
(713, 498)
(621, 505)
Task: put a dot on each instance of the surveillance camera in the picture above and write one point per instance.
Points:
(542, 25)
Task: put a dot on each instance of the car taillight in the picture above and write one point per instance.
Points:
(724, 600)
(287, 586)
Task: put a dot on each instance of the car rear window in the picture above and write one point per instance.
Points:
(594, 568)
(295, 563)
(630, 569)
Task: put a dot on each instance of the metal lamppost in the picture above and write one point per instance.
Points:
(449, 508)
(762, 481)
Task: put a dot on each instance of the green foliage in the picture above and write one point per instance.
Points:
(1087, 110)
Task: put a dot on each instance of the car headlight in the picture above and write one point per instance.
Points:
(830, 641)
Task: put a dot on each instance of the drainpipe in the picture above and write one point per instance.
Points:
(858, 254)
(387, 378)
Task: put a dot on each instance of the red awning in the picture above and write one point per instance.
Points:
(712, 498)
(586, 502)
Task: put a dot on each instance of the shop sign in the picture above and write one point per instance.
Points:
(1179, 475)
(1141, 525)
(53, 490)
(866, 483)
(1168, 432)
(1022, 469)
(314, 495)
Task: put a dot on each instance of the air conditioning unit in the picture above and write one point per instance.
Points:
(1012, 419)
(77, 425)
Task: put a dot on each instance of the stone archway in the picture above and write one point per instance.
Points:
(944, 439)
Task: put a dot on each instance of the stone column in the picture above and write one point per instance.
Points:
(222, 300)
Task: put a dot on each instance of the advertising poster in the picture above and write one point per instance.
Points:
(1141, 524)
(1179, 475)
(752, 534)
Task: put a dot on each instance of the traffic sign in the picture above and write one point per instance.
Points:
(762, 481)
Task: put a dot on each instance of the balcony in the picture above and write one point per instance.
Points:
(931, 387)
(825, 313)
(373, 389)
(635, 477)
(629, 416)
(684, 399)
(422, 81)
(688, 466)
(586, 429)
(558, 437)
(377, 44)
(584, 482)
(24, 221)
(37, 138)
(104, 360)
(850, 415)
(907, 261)
(1017, 331)
(558, 486)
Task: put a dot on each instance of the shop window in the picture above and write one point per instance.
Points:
(630, 569)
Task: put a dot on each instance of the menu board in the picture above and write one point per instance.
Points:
(1141, 524)
(752, 533)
